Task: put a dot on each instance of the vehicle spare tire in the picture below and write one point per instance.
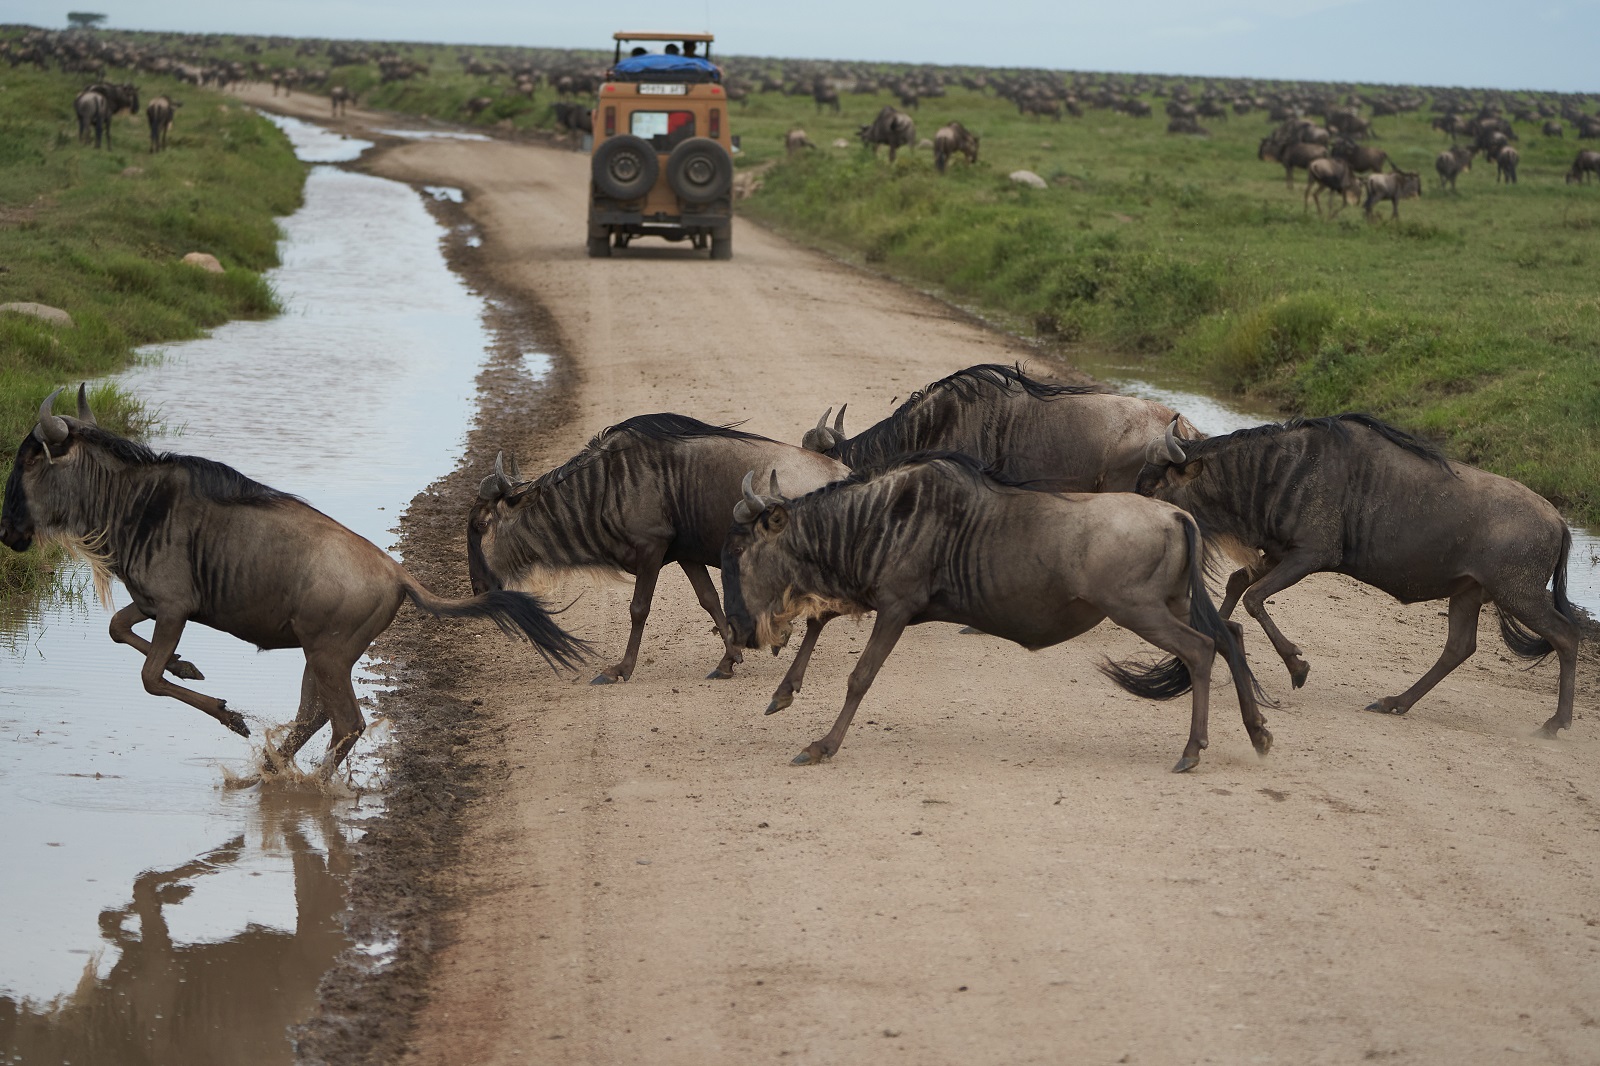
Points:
(700, 170)
(625, 167)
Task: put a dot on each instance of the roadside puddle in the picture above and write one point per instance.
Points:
(152, 912)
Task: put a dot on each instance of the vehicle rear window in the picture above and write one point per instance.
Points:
(664, 130)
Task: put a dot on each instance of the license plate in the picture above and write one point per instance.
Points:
(653, 89)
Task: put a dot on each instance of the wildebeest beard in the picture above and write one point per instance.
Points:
(773, 629)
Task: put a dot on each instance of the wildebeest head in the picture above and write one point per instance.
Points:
(32, 497)
(489, 511)
(822, 439)
(756, 571)
(1165, 465)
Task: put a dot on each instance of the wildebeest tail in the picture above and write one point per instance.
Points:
(1170, 678)
(518, 614)
(1524, 642)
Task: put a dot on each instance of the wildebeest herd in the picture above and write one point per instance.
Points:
(1122, 503)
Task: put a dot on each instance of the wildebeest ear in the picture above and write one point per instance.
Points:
(1183, 473)
(776, 519)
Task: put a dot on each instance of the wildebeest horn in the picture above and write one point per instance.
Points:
(52, 429)
(496, 484)
(838, 423)
(822, 423)
(747, 509)
(84, 414)
(774, 493)
(1174, 452)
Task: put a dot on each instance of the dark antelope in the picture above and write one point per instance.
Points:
(933, 538)
(951, 139)
(159, 114)
(1355, 496)
(196, 541)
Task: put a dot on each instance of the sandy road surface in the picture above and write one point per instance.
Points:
(998, 867)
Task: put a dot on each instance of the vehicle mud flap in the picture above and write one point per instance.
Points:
(700, 170)
(625, 167)
(600, 247)
(722, 243)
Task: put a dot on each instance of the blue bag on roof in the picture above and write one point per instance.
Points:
(667, 68)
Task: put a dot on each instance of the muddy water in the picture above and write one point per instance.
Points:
(149, 914)
(1216, 416)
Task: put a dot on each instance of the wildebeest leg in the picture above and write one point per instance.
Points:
(1255, 723)
(797, 670)
(1238, 582)
(1539, 614)
(1196, 651)
(122, 624)
(162, 647)
(1458, 648)
(644, 590)
(313, 715)
(338, 698)
(1289, 570)
(706, 592)
(885, 632)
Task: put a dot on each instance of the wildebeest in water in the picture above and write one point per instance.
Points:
(933, 538)
(650, 491)
(1356, 496)
(196, 541)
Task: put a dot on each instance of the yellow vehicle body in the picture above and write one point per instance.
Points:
(662, 158)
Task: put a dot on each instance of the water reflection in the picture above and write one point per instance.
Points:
(160, 990)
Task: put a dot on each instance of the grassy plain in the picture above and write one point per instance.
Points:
(101, 235)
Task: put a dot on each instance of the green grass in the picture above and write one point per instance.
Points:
(81, 231)
(1475, 319)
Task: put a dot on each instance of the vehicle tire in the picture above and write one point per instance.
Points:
(599, 247)
(700, 170)
(625, 167)
(722, 246)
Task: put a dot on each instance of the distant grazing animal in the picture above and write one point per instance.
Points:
(653, 490)
(1553, 129)
(339, 97)
(825, 95)
(1187, 125)
(795, 140)
(893, 128)
(94, 112)
(1451, 162)
(194, 540)
(934, 538)
(1297, 156)
(477, 105)
(574, 118)
(1505, 165)
(1352, 495)
(950, 139)
(1330, 175)
(1360, 158)
(1394, 187)
(1039, 106)
(1587, 163)
(159, 114)
(124, 97)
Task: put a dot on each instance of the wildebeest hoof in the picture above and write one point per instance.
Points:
(719, 674)
(779, 703)
(1549, 731)
(810, 757)
(1383, 706)
(1185, 764)
(186, 670)
(1262, 741)
(1298, 671)
(605, 679)
(234, 721)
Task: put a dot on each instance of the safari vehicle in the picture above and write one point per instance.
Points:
(662, 164)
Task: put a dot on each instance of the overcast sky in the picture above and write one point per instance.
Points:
(1538, 44)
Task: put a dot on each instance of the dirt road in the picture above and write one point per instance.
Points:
(998, 867)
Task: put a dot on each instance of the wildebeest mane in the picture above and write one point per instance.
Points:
(1339, 425)
(969, 383)
(657, 427)
(963, 462)
(209, 479)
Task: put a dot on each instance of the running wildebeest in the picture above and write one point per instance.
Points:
(950, 139)
(1329, 175)
(1451, 162)
(1394, 187)
(1293, 156)
(1585, 164)
(1355, 496)
(653, 490)
(94, 112)
(196, 541)
(893, 128)
(1067, 438)
(159, 114)
(933, 538)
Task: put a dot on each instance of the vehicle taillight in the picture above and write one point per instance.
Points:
(716, 122)
(611, 121)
